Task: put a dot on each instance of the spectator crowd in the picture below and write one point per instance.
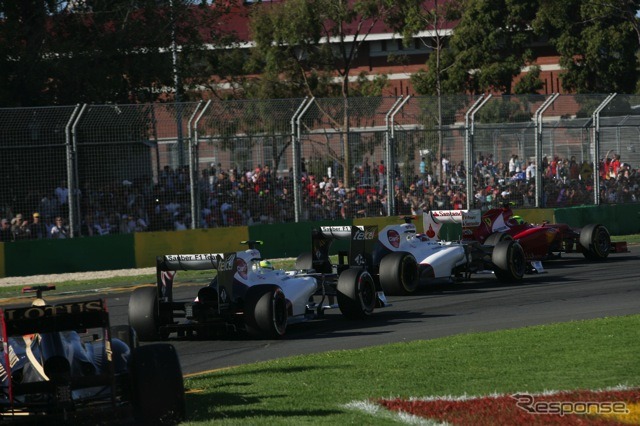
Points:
(230, 197)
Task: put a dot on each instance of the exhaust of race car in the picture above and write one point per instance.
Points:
(57, 368)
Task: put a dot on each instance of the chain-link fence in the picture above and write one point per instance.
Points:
(107, 169)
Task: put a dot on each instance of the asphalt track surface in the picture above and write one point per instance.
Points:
(571, 289)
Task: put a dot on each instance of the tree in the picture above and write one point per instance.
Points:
(492, 43)
(294, 56)
(413, 17)
(55, 52)
(597, 41)
(530, 83)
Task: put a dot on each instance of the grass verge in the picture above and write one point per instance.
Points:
(314, 389)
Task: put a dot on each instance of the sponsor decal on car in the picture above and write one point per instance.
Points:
(394, 238)
(364, 234)
(35, 312)
(241, 268)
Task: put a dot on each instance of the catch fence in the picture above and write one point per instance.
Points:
(128, 168)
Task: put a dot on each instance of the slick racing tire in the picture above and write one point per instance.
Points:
(356, 293)
(509, 262)
(496, 237)
(399, 273)
(595, 241)
(158, 387)
(304, 262)
(144, 313)
(265, 311)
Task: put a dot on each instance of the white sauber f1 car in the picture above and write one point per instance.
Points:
(64, 364)
(407, 259)
(249, 295)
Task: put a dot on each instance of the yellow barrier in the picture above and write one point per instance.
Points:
(148, 245)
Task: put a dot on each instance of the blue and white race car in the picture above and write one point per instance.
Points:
(405, 259)
(248, 295)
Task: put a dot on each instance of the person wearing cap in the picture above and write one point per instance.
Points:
(37, 229)
(5, 231)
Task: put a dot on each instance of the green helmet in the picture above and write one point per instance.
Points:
(518, 219)
(265, 264)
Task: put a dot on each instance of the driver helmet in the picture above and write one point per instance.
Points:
(265, 264)
(519, 220)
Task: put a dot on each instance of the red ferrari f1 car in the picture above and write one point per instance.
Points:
(540, 242)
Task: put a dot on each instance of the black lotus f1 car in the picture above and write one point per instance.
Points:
(64, 363)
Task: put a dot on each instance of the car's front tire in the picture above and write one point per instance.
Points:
(304, 261)
(595, 241)
(356, 293)
(496, 237)
(144, 313)
(399, 273)
(509, 261)
(265, 311)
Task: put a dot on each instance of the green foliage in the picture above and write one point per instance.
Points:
(493, 40)
(530, 83)
(100, 52)
(315, 389)
(506, 109)
(597, 41)
(291, 52)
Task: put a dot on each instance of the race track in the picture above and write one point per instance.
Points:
(572, 289)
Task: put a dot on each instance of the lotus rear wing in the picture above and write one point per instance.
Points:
(54, 318)
(41, 319)
(362, 240)
(167, 266)
(432, 220)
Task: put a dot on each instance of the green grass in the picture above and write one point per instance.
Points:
(314, 389)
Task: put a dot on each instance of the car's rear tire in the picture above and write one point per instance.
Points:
(595, 241)
(510, 263)
(356, 293)
(144, 313)
(265, 311)
(158, 386)
(399, 273)
(496, 237)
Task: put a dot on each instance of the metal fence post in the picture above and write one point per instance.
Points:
(391, 159)
(72, 145)
(468, 144)
(193, 173)
(538, 145)
(595, 147)
(387, 157)
(295, 149)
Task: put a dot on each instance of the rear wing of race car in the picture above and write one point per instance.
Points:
(53, 318)
(432, 220)
(167, 266)
(362, 240)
